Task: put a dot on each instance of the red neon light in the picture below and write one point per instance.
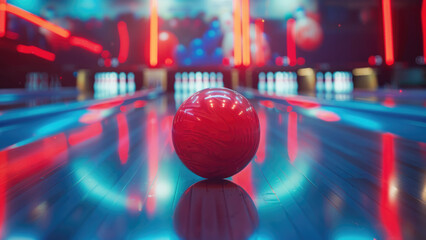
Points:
(237, 33)
(153, 49)
(12, 35)
(246, 32)
(36, 52)
(123, 138)
(123, 33)
(86, 44)
(388, 35)
(85, 134)
(2, 18)
(260, 58)
(291, 44)
(38, 21)
(388, 205)
(424, 28)
(292, 144)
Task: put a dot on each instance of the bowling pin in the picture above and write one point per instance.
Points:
(286, 82)
(261, 85)
(115, 85)
(131, 87)
(320, 82)
(213, 78)
(328, 82)
(198, 81)
(270, 82)
(185, 83)
(123, 87)
(279, 80)
(295, 84)
(191, 82)
(96, 83)
(178, 82)
(206, 82)
(351, 82)
(220, 82)
(336, 82)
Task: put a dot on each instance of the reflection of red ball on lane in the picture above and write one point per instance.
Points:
(213, 209)
(216, 133)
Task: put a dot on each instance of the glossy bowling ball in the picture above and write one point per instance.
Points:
(216, 133)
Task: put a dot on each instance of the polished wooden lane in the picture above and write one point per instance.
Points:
(111, 173)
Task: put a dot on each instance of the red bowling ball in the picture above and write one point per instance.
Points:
(216, 133)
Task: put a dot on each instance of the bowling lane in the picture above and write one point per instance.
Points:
(314, 176)
(20, 98)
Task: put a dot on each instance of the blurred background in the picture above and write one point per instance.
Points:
(69, 35)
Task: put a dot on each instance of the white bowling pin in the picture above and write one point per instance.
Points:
(270, 82)
(261, 85)
(220, 82)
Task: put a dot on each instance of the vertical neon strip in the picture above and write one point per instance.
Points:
(291, 44)
(424, 28)
(123, 34)
(292, 144)
(153, 49)
(388, 35)
(260, 59)
(2, 18)
(246, 32)
(237, 32)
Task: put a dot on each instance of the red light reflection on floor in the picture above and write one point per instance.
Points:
(166, 125)
(85, 133)
(389, 192)
(389, 102)
(152, 150)
(327, 116)
(123, 138)
(261, 151)
(292, 144)
(107, 105)
(34, 157)
(244, 179)
(302, 103)
(267, 103)
(91, 117)
(139, 104)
